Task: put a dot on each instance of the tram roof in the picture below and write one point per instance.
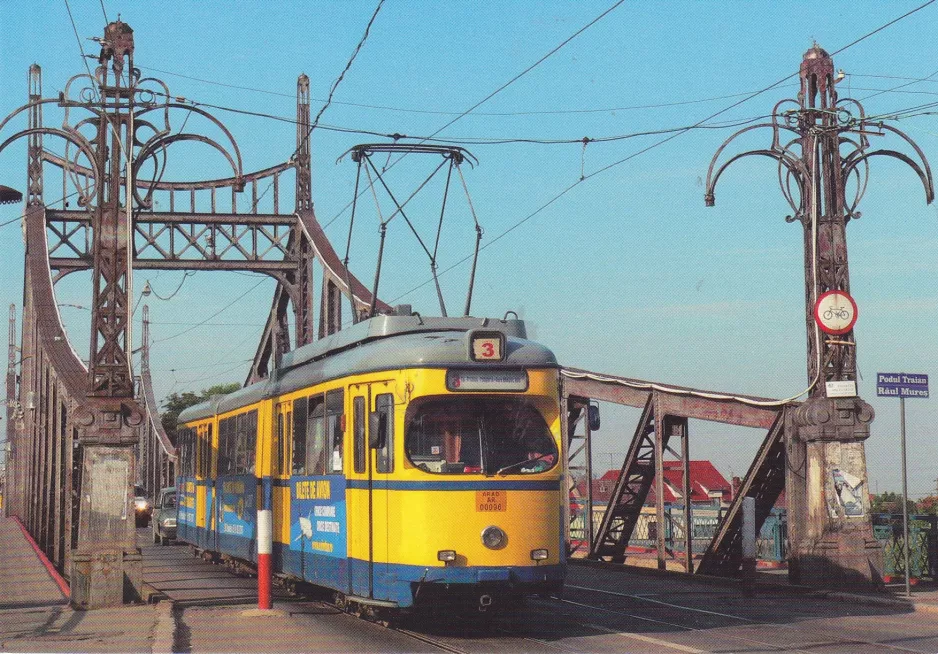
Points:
(382, 343)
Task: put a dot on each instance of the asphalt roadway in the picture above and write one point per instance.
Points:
(602, 610)
(206, 608)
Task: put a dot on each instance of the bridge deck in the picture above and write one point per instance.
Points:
(603, 609)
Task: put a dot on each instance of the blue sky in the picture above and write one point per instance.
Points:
(628, 273)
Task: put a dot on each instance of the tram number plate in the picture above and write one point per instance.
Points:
(491, 500)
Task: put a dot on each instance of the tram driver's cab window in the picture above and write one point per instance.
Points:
(478, 435)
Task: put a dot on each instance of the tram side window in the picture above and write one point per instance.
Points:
(190, 453)
(316, 447)
(205, 441)
(197, 440)
(384, 407)
(200, 452)
(335, 411)
(227, 441)
(196, 452)
(358, 416)
(299, 436)
(186, 455)
(246, 443)
(278, 437)
(180, 442)
(208, 452)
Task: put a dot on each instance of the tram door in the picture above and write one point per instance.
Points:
(371, 466)
(281, 456)
(205, 487)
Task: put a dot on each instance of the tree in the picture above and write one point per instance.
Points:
(889, 502)
(176, 403)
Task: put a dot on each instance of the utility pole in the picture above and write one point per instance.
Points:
(821, 144)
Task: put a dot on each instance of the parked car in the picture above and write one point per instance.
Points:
(164, 516)
(142, 507)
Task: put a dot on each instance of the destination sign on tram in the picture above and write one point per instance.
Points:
(487, 380)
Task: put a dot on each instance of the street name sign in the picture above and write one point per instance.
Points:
(901, 384)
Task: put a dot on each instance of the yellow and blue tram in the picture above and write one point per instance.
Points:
(406, 460)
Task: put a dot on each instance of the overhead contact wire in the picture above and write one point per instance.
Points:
(503, 87)
(659, 143)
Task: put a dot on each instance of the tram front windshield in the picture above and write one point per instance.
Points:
(478, 435)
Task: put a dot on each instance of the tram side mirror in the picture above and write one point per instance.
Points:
(377, 429)
(592, 415)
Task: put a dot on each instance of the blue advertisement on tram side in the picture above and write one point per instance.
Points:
(236, 515)
(186, 504)
(185, 509)
(318, 520)
(237, 506)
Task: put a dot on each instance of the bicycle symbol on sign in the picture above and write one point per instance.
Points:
(841, 313)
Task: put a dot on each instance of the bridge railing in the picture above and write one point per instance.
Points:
(44, 471)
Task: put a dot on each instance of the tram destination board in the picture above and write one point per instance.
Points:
(901, 384)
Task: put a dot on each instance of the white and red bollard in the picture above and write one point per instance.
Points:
(265, 542)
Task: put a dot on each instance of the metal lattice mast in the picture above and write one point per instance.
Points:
(34, 146)
(302, 287)
(109, 368)
(823, 218)
(303, 156)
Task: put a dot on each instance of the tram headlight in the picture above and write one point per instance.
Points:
(447, 556)
(494, 538)
(539, 555)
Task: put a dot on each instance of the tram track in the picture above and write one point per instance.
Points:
(812, 629)
(572, 611)
(750, 641)
(435, 642)
(447, 645)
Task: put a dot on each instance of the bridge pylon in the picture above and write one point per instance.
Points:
(822, 144)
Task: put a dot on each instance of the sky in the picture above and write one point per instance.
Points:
(626, 273)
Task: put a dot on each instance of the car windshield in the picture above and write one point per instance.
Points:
(169, 501)
(473, 435)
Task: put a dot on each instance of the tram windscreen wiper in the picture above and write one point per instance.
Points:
(520, 463)
(480, 423)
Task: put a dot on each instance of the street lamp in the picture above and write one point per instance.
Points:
(9, 195)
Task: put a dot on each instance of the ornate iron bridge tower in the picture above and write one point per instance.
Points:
(80, 435)
(823, 144)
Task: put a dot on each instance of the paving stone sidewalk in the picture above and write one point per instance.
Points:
(35, 615)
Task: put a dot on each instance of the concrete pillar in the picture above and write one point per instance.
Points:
(832, 544)
(105, 566)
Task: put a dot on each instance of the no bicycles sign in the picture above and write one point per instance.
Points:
(835, 312)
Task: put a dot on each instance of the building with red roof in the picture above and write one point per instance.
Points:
(708, 488)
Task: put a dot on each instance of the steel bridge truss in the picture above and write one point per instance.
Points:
(664, 420)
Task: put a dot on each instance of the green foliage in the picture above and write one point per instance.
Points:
(890, 502)
(176, 403)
